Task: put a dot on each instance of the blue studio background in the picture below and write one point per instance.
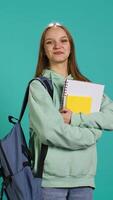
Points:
(91, 25)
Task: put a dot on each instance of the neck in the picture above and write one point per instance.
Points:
(60, 68)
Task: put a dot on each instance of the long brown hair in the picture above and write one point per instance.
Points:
(43, 61)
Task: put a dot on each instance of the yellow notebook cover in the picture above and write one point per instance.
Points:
(79, 104)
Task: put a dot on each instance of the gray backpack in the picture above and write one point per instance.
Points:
(15, 158)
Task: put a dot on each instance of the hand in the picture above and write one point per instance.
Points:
(66, 114)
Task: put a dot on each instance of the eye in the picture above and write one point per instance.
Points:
(49, 42)
(64, 40)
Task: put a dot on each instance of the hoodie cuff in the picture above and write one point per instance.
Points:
(75, 119)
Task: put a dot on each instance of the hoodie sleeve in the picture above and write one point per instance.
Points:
(47, 121)
(101, 120)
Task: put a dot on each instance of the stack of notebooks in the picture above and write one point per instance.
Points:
(82, 97)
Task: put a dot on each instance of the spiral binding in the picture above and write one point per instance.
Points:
(64, 93)
(65, 87)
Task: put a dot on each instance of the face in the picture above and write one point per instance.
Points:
(56, 45)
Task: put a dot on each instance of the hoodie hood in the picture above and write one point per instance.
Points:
(58, 82)
(55, 77)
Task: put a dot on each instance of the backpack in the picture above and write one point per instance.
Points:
(19, 182)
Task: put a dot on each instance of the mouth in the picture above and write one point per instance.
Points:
(58, 53)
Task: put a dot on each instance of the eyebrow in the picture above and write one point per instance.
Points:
(52, 38)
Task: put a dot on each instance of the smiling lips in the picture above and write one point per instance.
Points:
(58, 52)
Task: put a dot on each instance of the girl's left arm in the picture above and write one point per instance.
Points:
(100, 120)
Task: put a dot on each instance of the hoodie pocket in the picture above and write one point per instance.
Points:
(56, 162)
(84, 162)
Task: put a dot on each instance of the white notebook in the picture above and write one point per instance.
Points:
(81, 96)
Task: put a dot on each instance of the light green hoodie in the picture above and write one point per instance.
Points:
(71, 158)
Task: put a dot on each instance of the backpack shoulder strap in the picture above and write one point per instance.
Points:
(47, 83)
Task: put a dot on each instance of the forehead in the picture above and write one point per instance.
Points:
(55, 32)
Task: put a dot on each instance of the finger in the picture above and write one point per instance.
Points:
(64, 110)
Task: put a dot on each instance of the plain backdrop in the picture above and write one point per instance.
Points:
(91, 25)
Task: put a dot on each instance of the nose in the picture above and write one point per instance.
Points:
(57, 45)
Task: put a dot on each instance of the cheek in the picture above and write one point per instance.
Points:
(47, 52)
(68, 50)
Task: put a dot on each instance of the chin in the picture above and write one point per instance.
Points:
(58, 60)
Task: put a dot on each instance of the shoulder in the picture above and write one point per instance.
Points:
(36, 84)
(37, 89)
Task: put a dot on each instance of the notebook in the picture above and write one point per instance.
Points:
(81, 96)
